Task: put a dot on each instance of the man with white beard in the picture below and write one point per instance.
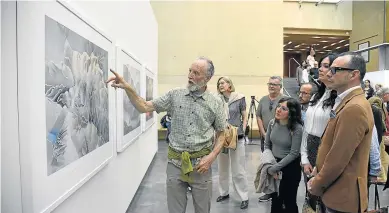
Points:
(196, 116)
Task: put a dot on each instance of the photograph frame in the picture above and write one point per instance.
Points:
(366, 54)
(41, 191)
(149, 75)
(123, 58)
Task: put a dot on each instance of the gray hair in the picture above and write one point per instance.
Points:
(314, 87)
(210, 67)
(356, 62)
(382, 92)
(276, 77)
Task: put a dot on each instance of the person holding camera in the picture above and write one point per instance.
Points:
(237, 117)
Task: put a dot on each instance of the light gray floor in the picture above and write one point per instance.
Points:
(151, 195)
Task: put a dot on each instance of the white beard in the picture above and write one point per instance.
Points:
(193, 87)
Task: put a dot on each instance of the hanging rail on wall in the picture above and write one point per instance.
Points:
(289, 64)
(383, 57)
(286, 92)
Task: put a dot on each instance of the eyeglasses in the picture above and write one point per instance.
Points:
(335, 69)
(271, 84)
(283, 108)
(303, 93)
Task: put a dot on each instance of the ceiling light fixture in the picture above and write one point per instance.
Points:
(316, 37)
(323, 41)
(333, 44)
(341, 41)
(346, 45)
(338, 47)
(325, 47)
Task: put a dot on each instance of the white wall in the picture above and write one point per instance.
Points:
(133, 25)
(378, 77)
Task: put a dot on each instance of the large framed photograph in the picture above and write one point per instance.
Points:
(365, 54)
(66, 109)
(149, 95)
(128, 117)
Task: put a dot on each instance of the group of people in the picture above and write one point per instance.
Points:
(326, 134)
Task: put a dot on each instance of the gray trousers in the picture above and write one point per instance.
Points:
(176, 190)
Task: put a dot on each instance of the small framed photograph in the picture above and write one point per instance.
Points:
(362, 46)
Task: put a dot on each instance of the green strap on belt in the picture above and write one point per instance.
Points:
(185, 157)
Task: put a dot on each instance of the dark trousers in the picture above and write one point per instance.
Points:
(291, 176)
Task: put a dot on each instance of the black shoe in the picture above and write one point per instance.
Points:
(244, 204)
(221, 198)
(265, 198)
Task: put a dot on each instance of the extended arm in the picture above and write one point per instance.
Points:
(140, 104)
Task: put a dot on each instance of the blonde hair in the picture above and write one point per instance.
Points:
(228, 81)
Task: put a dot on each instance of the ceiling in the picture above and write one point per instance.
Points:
(295, 43)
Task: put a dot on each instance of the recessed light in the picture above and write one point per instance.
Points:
(323, 41)
(290, 49)
(332, 37)
(341, 41)
(297, 46)
(333, 44)
(325, 47)
(328, 50)
(316, 37)
(338, 47)
(346, 45)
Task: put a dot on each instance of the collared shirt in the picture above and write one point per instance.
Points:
(341, 96)
(316, 119)
(194, 119)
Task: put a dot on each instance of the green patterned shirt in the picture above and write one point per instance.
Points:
(194, 118)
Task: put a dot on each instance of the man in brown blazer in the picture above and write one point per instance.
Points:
(343, 156)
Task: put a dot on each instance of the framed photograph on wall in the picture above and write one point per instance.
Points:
(149, 80)
(66, 109)
(128, 117)
(365, 54)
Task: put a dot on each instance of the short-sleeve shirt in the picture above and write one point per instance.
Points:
(194, 118)
(266, 109)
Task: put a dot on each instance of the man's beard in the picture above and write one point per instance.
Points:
(193, 87)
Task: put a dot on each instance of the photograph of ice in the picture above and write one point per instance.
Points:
(149, 95)
(76, 96)
(131, 116)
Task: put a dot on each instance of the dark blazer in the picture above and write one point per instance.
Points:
(343, 155)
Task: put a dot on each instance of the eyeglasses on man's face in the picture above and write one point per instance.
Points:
(334, 70)
(273, 84)
(303, 93)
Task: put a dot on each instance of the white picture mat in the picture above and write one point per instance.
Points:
(123, 141)
(43, 193)
(150, 122)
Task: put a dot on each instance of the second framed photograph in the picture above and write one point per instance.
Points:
(128, 117)
(150, 90)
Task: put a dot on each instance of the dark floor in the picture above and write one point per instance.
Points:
(151, 195)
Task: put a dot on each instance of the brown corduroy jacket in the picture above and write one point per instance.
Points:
(343, 155)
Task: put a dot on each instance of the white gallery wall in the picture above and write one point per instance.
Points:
(132, 26)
